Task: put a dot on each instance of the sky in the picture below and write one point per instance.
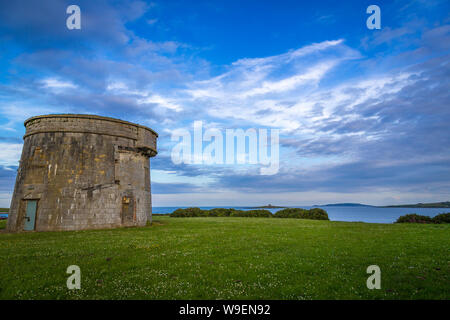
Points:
(363, 113)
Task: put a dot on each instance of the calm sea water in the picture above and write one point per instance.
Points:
(363, 214)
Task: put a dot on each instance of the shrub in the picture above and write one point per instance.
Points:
(414, 218)
(188, 212)
(236, 213)
(442, 218)
(216, 212)
(260, 213)
(290, 213)
(318, 214)
(299, 213)
(219, 212)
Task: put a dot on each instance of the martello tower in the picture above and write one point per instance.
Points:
(82, 172)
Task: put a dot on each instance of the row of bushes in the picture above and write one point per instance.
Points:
(315, 213)
(219, 212)
(415, 218)
(297, 213)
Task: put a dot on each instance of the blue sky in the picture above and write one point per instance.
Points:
(364, 114)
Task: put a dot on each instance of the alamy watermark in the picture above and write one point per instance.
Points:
(373, 281)
(74, 20)
(374, 20)
(74, 280)
(234, 146)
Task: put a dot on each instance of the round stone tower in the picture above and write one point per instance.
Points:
(82, 172)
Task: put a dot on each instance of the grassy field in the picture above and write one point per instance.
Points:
(230, 258)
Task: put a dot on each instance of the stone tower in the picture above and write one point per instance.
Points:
(82, 172)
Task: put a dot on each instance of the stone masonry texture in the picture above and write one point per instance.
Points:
(85, 172)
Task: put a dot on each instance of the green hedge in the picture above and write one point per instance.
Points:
(251, 213)
(442, 218)
(415, 218)
(316, 213)
(298, 213)
(188, 212)
(220, 212)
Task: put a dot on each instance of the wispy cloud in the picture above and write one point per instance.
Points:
(53, 83)
(367, 116)
(10, 154)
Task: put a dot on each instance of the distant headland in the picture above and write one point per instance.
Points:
(343, 205)
(445, 204)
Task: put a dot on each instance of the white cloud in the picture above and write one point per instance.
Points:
(10, 154)
(143, 97)
(310, 76)
(286, 90)
(16, 114)
(380, 196)
(121, 88)
(167, 176)
(5, 200)
(54, 83)
(161, 101)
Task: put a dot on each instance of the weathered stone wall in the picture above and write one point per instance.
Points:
(85, 171)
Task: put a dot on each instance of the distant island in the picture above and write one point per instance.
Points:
(343, 205)
(445, 204)
(269, 206)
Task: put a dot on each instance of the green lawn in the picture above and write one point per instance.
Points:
(230, 258)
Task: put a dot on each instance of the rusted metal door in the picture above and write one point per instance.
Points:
(30, 216)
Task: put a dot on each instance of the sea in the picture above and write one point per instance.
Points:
(344, 213)
(339, 213)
